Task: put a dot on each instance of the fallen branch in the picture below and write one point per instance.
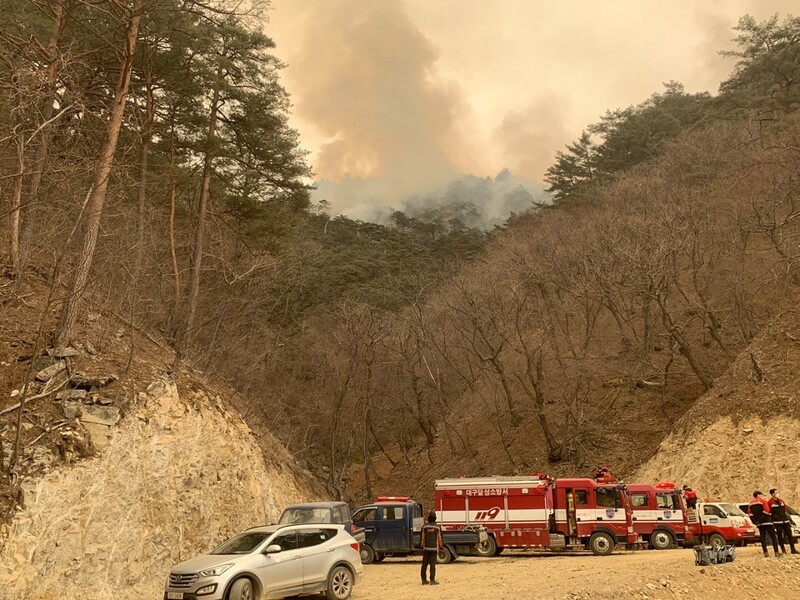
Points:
(36, 397)
(48, 430)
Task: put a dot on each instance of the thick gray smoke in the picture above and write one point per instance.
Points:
(374, 83)
(365, 76)
(478, 202)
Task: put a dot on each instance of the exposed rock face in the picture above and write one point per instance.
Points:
(744, 434)
(728, 462)
(175, 479)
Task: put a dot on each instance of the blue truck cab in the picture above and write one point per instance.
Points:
(392, 527)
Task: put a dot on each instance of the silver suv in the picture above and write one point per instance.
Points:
(271, 562)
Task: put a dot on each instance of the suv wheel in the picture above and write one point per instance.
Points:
(340, 583)
(242, 589)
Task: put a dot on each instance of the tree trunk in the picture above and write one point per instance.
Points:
(649, 330)
(683, 346)
(199, 236)
(77, 287)
(176, 275)
(147, 137)
(16, 202)
(174, 324)
(507, 392)
(535, 373)
(29, 211)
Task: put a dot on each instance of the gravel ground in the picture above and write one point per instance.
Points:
(642, 574)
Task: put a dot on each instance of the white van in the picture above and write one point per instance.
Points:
(719, 523)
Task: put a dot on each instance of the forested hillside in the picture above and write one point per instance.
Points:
(149, 173)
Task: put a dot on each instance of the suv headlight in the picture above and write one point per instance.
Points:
(216, 571)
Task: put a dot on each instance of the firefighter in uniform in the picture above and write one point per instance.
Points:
(781, 520)
(431, 543)
(690, 496)
(603, 475)
(759, 511)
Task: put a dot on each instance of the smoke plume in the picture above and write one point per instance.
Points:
(396, 97)
(529, 139)
(366, 78)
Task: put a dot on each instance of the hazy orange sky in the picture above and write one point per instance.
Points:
(408, 91)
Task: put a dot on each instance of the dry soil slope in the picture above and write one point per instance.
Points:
(178, 475)
(745, 433)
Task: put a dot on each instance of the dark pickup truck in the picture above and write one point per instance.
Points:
(393, 525)
(322, 512)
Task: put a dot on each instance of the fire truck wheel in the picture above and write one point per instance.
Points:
(661, 540)
(601, 544)
(487, 548)
(367, 555)
(716, 540)
(444, 556)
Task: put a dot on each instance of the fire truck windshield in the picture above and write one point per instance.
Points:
(609, 497)
(669, 501)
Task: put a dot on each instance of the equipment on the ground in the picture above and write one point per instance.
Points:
(706, 554)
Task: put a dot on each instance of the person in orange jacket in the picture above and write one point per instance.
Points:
(690, 496)
(759, 511)
(781, 520)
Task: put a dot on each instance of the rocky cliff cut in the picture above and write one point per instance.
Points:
(177, 476)
(744, 434)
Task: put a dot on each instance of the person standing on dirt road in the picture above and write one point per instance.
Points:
(690, 496)
(759, 511)
(781, 520)
(431, 542)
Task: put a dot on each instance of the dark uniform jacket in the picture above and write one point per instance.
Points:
(778, 510)
(759, 512)
(431, 537)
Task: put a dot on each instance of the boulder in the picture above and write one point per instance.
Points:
(71, 409)
(100, 415)
(66, 352)
(72, 395)
(39, 362)
(86, 381)
(48, 373)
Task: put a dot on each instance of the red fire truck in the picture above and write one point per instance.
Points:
(538, 512)
(659, 515)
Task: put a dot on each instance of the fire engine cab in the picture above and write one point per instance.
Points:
(659, 515)
(538, 512)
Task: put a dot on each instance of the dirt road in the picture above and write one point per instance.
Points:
(643, 574)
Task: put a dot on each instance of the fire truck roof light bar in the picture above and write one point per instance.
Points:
(493, 481)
